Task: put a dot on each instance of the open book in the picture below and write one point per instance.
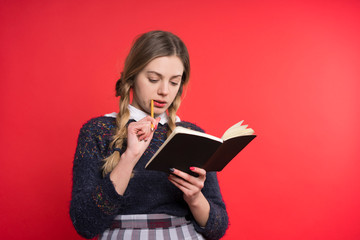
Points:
(185, 148)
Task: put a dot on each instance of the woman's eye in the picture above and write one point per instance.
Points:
(153, 80)
(174, 83)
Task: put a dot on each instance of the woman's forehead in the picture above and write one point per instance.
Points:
(165, 66)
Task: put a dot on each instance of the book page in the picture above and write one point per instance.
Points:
(237, 130)
(196, 133)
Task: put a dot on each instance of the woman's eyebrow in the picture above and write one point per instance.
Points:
(160, 75)
(153, 72)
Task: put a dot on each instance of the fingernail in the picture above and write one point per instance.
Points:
(192, 168)
(171, 169)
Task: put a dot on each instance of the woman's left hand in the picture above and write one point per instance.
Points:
(191, 186)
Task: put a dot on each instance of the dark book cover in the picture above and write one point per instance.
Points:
(185, 150)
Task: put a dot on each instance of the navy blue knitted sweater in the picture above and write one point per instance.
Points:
(95, 202)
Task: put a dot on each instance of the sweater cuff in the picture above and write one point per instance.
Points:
(209, 222)
(211, 228)
(106, 198)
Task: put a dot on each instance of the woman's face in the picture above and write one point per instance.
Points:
(160, 80)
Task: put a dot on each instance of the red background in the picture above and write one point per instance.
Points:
(291, 69)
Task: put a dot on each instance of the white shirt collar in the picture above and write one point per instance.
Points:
(137, 115)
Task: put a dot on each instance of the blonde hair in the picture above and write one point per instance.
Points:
(146, 47)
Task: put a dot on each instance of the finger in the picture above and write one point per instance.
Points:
(148, 131)
(141, 129)
(195, 181)
(136, 127)
(149, 135)
(198, 170)
(181, 174)
(153, 121)
(201, 172)
(184, 186)
(181, 181)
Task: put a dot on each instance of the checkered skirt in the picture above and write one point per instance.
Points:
(150, 227)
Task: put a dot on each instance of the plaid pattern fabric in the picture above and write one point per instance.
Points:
(150, 227)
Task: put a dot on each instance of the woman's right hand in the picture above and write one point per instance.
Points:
(139, 136)
(138, 139)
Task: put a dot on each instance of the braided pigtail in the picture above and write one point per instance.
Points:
(121, 129)
(172, 113)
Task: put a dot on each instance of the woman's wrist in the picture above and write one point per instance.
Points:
(129, 158)
(200, 208)
(121, 174)
(197, 201)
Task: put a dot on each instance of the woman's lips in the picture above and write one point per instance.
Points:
(159, 104)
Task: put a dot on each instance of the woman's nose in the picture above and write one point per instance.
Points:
(163, 88)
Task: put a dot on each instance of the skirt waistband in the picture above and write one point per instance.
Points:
(150, 221)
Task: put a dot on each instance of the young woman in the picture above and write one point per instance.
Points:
(113, 196)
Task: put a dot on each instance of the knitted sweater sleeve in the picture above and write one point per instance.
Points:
(94, 201)
(218, 219)
(217, 223)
